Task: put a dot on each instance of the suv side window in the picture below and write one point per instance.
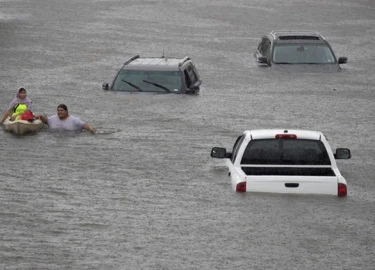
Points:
(195, 71)
(266, 47)
(190, 77)
(187, 78)
(236, 147)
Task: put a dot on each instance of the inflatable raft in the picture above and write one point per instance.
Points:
(21, 127)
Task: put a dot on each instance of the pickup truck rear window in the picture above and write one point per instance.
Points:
(286, 152)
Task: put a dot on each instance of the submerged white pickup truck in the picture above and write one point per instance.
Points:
(284, 161)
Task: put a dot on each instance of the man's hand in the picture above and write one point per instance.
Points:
(89, 128)
(93, 130)
(43, 118)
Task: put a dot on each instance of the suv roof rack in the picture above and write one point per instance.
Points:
(298, 34)
(298, 37)
(186, 58)
(131, 59)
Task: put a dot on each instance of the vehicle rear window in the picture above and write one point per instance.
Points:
(148, 81)
(286, 152)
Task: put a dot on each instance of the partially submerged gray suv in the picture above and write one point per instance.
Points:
(156, 74)
(297, 48)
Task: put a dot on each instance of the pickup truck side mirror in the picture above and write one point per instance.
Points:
(218, 152)
(343, 60)
(343, 153)
(105, 86)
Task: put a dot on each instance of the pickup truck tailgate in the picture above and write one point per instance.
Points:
(292, 184)
(312, 180)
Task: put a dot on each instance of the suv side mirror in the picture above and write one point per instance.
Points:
(262, 60)
(343, 153)
(343, 60)
(193, 89)
(105, 86)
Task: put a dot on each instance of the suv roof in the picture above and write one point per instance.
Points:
(287, 36)
(155, 63)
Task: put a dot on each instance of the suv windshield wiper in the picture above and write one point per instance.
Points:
(133, 85)
(159, 85)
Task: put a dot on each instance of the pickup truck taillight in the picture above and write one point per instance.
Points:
(241, 187)
(341, 190)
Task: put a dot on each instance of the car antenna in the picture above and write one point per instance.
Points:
(163, 55)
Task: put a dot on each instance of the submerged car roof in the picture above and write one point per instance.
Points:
(284, 36)
(155, 63)
(270, 133)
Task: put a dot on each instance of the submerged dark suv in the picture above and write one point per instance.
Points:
(297, 48)
(156, 74)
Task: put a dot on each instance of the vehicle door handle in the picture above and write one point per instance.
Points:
(291, 185)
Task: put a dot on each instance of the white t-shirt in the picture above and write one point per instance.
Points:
(71, 123)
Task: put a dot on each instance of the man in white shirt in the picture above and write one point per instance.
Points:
(63, 121)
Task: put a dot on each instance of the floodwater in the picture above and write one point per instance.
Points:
(144, 193)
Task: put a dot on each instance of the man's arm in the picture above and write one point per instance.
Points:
(87, 127)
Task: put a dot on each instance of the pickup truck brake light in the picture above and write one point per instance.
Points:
(341, 190)
(241, 187)
(285, 136)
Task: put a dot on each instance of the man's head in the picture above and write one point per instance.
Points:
(62, 111)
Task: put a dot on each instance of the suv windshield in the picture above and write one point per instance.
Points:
(286, 152)
(302, 54)
(148, 81)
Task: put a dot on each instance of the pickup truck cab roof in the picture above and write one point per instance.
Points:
(270, 133)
